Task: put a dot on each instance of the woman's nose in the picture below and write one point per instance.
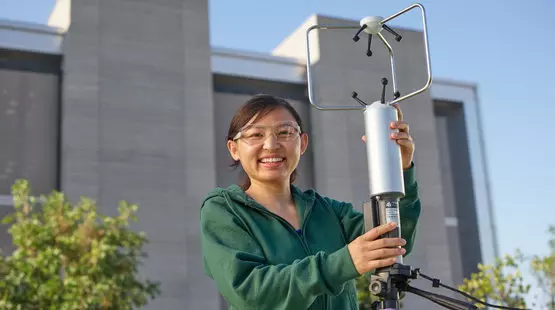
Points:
(271, 143)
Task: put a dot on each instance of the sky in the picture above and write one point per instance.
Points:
(505, 47)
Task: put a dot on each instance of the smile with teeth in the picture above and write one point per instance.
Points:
(271, 160)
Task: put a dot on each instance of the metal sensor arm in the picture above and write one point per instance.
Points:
(371, 25)
(426, 48)
(309, 77)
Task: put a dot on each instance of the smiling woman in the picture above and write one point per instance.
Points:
(269, 245)
(272, 132)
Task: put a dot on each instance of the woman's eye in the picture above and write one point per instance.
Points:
(256, 135)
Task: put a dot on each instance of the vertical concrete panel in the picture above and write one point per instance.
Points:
(199, 140)
(138, 79)
(80, 103)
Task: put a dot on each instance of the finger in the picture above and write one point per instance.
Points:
(401, 125)
(385, 243)
(400, 135)
(375, 264)
(386, 253)
(376, 232)
(364, 138)
(399, 112)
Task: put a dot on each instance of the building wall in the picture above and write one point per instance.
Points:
(138, 125)
(145, 114)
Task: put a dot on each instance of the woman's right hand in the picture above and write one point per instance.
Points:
(368, 252)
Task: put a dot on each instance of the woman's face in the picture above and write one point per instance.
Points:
(269, 149)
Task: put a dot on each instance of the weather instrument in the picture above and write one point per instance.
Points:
(386, 185)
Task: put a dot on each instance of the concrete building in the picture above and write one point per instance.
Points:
(127, 100)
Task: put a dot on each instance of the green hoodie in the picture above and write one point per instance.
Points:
(259, 261)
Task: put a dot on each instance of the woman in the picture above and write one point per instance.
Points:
(269, 245)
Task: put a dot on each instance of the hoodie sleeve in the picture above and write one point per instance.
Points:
(233, 258)
(409, 212)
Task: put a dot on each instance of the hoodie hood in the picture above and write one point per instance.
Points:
(237, 194)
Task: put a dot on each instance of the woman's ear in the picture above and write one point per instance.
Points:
(232, 147)
(304, 142)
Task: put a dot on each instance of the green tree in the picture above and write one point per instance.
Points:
(70, 257)
(503, 284)
(543, 269)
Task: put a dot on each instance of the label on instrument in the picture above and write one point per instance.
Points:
(391, 212)
(392, 215)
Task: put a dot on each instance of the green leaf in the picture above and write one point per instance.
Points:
(8, 219)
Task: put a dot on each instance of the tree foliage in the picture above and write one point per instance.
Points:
(365, 298)
(543, 269)
(503, 284)
(70, 257)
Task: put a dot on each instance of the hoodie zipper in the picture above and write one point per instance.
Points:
(301, 238)
(303, 231)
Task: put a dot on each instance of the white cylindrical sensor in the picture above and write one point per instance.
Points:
(384, 154)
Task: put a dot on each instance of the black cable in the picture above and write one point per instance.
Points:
(445, 301)
(437, 283)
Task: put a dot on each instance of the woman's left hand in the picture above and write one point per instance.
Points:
(402, 137)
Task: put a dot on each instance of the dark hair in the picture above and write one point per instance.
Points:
(259, 105)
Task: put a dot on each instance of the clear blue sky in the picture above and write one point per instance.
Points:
(506, 47)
